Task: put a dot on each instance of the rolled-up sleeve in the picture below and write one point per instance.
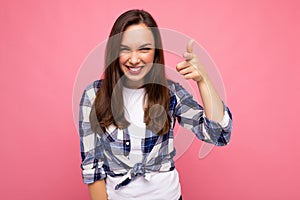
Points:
(90, 144)
(191, 116)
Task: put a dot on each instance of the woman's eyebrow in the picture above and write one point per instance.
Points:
(143, 45)
(123, 45)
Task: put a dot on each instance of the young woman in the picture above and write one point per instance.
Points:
(126, 119)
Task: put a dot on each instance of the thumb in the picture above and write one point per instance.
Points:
(189, 48)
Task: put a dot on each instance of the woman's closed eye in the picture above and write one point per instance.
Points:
(145, 49)
(124, 49)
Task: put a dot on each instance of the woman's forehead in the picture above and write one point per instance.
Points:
(136, 35)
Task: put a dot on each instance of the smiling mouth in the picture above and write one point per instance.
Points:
(134, 68)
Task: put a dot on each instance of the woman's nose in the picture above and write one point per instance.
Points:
(134, 58)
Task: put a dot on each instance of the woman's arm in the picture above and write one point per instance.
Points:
(98, 190)
(192, 69)
(213, 106)
(213, 123)
(92, 156)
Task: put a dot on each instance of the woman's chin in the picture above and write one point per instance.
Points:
(134, 80)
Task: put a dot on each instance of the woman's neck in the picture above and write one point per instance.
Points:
(133, 84)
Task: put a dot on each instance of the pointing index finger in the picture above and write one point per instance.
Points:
(189, 47)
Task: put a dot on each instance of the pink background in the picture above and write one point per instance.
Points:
(255, 45)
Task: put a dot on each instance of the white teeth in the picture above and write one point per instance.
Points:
(135, 69)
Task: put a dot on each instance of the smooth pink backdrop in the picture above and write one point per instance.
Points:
(255, 45)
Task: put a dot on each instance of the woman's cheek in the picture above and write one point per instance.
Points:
(122, 58)
(148, 57)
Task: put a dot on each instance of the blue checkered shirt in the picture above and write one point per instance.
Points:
(107, 153)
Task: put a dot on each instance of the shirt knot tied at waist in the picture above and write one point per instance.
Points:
(138, 169)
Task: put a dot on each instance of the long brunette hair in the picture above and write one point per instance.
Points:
(108, 107)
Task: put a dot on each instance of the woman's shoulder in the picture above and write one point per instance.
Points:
(94, 85)
(178, 91)
(174, 87)
(171, 84)
(92, 88)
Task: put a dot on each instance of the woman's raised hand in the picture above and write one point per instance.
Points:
(191, 68)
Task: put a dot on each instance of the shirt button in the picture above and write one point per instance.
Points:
(127, 143)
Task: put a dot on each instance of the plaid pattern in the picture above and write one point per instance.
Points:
(107, 153)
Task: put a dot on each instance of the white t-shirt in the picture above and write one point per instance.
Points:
(160, 185)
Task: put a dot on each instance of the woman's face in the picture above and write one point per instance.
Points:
(136, 53)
